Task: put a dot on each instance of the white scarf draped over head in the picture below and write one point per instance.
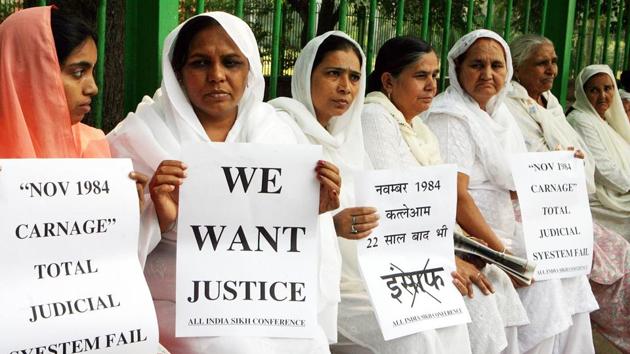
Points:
(494, 130)
(342, 139)
(555, 128)
(421, 141)
(613, 133)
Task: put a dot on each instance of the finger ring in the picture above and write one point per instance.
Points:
(477, 276)
(354, 220)
(353, 230)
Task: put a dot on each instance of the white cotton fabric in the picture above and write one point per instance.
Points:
(546, 128)
(342, 142)
(624, 95)
(481, 142)
(155, 132)
(609, 142)
(494, 317)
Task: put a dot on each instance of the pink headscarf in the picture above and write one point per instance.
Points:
(34, 116)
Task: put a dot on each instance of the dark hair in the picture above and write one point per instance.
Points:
(68, 31)
(625, 80)
(334, 43)
(185, 36)
(394, 56)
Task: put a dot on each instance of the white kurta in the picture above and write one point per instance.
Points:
(156, 132)
(495, 316)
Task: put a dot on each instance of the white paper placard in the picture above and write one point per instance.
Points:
(248, 244)
(407, 261)
(71, 279)
(557, 221)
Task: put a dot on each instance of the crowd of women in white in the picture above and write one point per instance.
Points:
(498, 103)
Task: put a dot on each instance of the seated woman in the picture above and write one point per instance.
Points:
(476, 131)
(625, 99)
(400, 88)
(599, 118)
(544, 127)
(212, 91)
(327, 88)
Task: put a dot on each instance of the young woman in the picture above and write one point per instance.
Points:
(400, 88)
(212, 90)
(327, 89)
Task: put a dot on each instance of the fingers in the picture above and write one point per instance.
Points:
(328, 165)
(357, 236)
(365, 219)
(329, 184)
(359, 211)
(458, 281)
(332, 174)
(139, 177)
(482, 283)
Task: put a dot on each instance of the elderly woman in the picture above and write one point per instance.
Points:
(327, 88)
(211, 92)
(599, 118)
(400, 88)
(544, 126)
(477, 132)
(625, 99)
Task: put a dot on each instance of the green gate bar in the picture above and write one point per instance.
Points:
(560, 32)
(371, 36)
(101, 21)
(490, 14)
(508, 20)
(445, 45)
(607, 31)
(626, 48)
(582, 37)
(201, 6)
(470, 15)
(425, 19)
(595, 30)
(528, 11)
(312, 16)
(343, 15)
(400, 17)
(238, 8)
(275, 48)
(543, 21)
(41, 2)
(618, 37)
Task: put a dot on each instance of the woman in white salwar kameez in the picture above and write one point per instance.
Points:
(330, 115)
(544, 127)
(476, 131)
(212, 90)
(598, 116)
(400, 88)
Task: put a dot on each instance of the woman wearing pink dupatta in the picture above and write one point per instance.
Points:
(36, 120)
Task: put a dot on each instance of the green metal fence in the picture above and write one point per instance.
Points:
(584, 31)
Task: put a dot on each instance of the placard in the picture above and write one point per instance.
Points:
(248, 244)
(407, 261)
(71, 279)
(557, 221)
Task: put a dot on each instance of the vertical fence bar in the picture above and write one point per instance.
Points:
(595, 30)
(470, 16)
(607, 31)
(543, 20)
(400, 17)
(582, 37)
(238, 8)
(446, 32)
(618, 36)
(343, 15)
(201, 6)
(560, 32)
(41, 3)
(528, 12)
(626, 49)
(508, 20)
(425, 19)
(101, 21)
(371, 36)
(490, 14)
(312, 16)
(275, 48)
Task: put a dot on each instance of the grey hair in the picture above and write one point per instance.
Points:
(523, 46)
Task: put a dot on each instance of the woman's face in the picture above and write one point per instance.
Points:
(414, 88)
(214, 75)
(483, 70)
(335, 83)
(539, 70)
(626, 107)
(77, 75)
(599, 91)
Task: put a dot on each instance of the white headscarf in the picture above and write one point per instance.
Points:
(494, 130)
(625, 95)
(342, 139)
